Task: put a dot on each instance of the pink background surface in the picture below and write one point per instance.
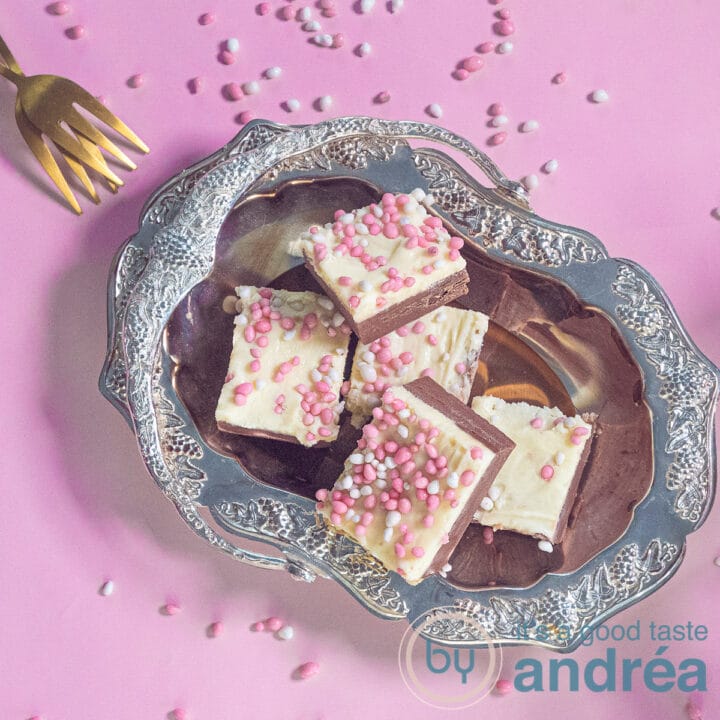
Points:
(641, 172)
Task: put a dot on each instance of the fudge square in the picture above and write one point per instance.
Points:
(286, 367)
(535, 489)
(445, 345)
(386, 264)
(420, 470)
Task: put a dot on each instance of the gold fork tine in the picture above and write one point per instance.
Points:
(95, 152)
(94, 106)
(80, 172)
(78, 123)
(35, 142)
(71, 144)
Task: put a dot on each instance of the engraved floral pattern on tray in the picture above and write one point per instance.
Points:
(151, 278)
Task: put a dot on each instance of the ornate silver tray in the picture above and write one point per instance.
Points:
(175, 249)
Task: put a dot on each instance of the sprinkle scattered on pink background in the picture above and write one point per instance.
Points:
(640, 171)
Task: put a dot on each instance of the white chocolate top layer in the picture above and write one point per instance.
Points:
(406, 484)
(379, 255)
(531, 488)
(444, 344)
(286, 366)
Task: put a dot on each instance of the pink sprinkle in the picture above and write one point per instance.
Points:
(418, 552)
(327, 4)
(226, 57)
(321, 494)
(467, 478)
(215, 629)
(427, 372)
(559, 78)
(75, 32)
(461, 74)
(258, 626)
(503, 686)
(488, 535)
(497, 138)
(255, 366)
(460, 368)
(486, 47)
(576, 439)
(547, 472)
(418, 327)
(473, 63)
(503, 14)
(432, 340)
(263, 8)
(179, 714)
(338, 40)
(307, 670)
(245, 388)
(170, 609)
(206, 19)
(239, 399)
(382, 97)
(273, 624)
(581, 431)
(195, 85)
(135, 81)
(428, 521)
(345, 280)
(504, 27)
(400, 550)
(536, 422)
(58, 8)
(244, 117)
(496, 109)
(287, 13)
(476, 453)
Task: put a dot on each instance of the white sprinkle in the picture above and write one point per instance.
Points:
(390, 463)
(325, 102)
(316, 375)
(380, 484)
(418, 194)
(289, 334)
(366, 5)
(345, 482)
(273, 72)
(363, 49)
(404, 414)
(311, 26)
(559, 458)
(243, 291)
(367, 372)
(403, 432)
(453, 480)
(569, 422)
(303, 14)
(355, 518)
(433, 488)
(333, 375)
(545, 546)
(347, 219)
(403, 371)
(550, 166)
(241, 320)
(232, 44)
(447, 568)
(363, 242)
(356, 459)
(441, 317)
(260, 383)
(355, 494)
(326, 40)
(530, 181)
(107, 588)
(494, 493)
(387, 534)
(369, 456)
(505, 48)
(286, 632)
(361, 228)
(366, 490)
(429, 199)
(338, 319)
(434, 110)
(396, 5)
(599, 96)
(487, 504)
(392, 518)
(377, 211)
(251, 88)
(499, 120)
(438, 264)
(368, 356)
(325, 302)
(529, 126)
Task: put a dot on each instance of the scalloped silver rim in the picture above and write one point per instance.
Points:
(174, 249)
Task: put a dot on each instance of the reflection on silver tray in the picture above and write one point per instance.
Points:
(175, 249)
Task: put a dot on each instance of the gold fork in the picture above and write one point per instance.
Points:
(46, 102)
